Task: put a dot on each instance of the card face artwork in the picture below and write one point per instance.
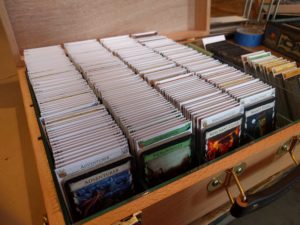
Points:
(169, 160)
(260, 120)
(222, 139)
(89, 193)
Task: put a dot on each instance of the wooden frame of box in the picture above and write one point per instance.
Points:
(40, 23)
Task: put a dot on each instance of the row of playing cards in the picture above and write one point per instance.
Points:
(90, 153)
(158, 133)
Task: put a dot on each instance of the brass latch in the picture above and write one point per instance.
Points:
(45, 220)
(289, 147)
(231, 173)
(135, 219)
(222, 179)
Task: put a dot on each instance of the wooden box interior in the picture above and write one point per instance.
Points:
(36, 23)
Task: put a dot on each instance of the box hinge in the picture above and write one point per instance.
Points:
(45, 220)
(134, 219)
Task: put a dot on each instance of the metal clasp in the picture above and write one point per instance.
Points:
(224, 180)
(232, 173)
(45, 220)
(289, 147)
(135, 219)
(220, 180)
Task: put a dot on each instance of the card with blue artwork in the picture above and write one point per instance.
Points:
(260, 119)
(92, 192)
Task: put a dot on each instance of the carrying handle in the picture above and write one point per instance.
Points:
(244, 205)
(260, 199)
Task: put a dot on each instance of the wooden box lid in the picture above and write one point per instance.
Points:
(36, 23)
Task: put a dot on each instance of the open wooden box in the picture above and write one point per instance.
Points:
(36, 23)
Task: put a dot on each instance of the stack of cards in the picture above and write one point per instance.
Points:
(258, 100)
(159, 135)
(90, 153)
(182, 55)
(92, 160)
(224, 76)
(228, 52)
(155, 78)
(282, 74)
(56, 81)
(142, 59)
(216, 117)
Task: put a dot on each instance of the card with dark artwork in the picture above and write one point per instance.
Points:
(260, 120)
(222, 139)
(167, 162)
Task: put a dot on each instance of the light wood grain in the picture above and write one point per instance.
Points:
(181, 201)
(183, 35)
(186, 199)
(10, 34)
(39, 23)
(48, 190)
(202, 8)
